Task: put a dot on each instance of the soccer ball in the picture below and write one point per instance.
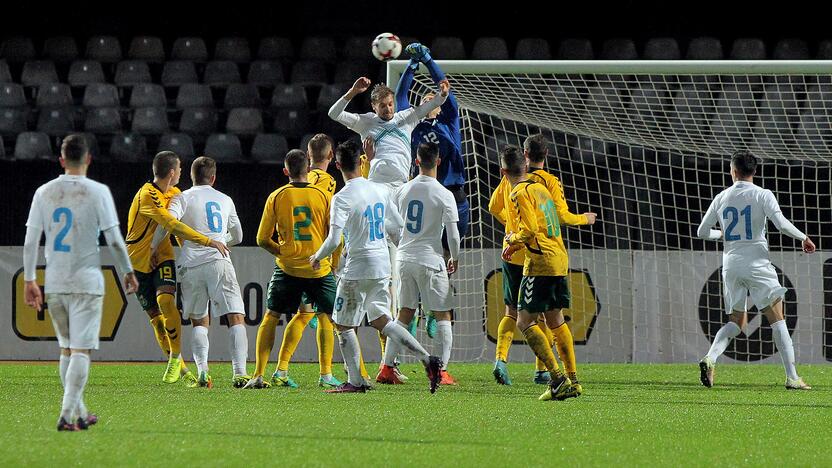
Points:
(387, 46)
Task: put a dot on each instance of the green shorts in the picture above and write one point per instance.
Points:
(163, 275)
(286, 292)
(512, 275)
(543, 293)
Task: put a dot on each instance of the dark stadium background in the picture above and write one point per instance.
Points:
(249, 182)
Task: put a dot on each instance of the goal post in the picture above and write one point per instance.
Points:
(646, 145)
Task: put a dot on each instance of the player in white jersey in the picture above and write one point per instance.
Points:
(73, 210)
(742, 211)
(428, 208)
(207, 275)
(364, 213)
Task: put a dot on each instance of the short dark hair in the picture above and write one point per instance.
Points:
(513, 161)
(379, 92)
(74, 148)
(164, 162)
(347, 155)
(428, 154)
(296, 163)
(203, 169)
(318, 147)
(744, 163)
(536, 147)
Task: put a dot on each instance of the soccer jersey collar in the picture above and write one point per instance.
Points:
(71, 177)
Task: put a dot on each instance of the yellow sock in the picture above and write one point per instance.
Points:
(566, 349)
(326, 343)
(505, 334)
(551, 338)
(265, 342)
(158, 325)
(291, 338)
(536, 340)
(361, 364)
(173, 321)
(382, 340)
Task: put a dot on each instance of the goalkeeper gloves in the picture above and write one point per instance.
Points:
(418, 52)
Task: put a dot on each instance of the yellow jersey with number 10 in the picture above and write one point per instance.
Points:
(539, 231)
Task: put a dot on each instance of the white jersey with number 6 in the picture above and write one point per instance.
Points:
(73, 211)
(426, 207)
(210, 212)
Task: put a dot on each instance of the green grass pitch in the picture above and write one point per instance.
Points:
(630, 414)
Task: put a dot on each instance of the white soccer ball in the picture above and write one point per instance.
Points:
(387, 46)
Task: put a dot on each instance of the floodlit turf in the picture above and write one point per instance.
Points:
(632, 414)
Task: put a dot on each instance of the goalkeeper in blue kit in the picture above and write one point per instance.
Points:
(440, 127)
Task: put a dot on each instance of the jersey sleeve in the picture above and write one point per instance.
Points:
(496, 205)
(107, 216)
(773, 211)
(711, 217)
(152, 207)
(403, 89)
(35, 219)
(562, 207)
(449, 212)
(338, 212)
(523, 211)
(268, 223)
(355, 122)
(235, 229)
(177, 206)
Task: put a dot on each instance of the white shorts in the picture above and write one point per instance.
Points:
(355, 298)
(76, 319)
(214, 282)
(432, 285)
(761, 282)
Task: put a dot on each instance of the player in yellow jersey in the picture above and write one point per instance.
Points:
(295, 223)
(156, 272)
(319, 150)
(544, 288)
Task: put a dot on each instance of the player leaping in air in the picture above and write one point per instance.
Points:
(742, 211)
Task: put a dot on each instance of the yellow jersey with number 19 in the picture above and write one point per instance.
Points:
(538, 230)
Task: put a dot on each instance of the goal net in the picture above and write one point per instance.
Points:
(647, 146)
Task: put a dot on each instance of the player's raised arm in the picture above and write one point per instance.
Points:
(422, 110)
(775, 214)
(711, 217)
(450, 109)
(404, 85)
(565, 214)
(338, 111)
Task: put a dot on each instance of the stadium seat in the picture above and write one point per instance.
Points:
(179, 72)
(490, 48)
(105, 49)
(244, 121)
(575, 49)
(103, 120)
(329, 94)
(529, 48)
(304, 141)
(269, 147)
(791, 49)
(132, 72)
(748, 49)
(265, 73)
(150, 121)
(275, 48)
(619, 49)
(84, 72)
(448, 48)
(148, 95)
(5, 73)
(691, 107)
(189, 49)
(235, 49)
(11, 95)
(12, 121)
(650, 104)
(2, 150)
(128, 147)
(54, 95)
(18, 49)
(92, 142)
(318, 48)
(198, 121)
(357, 48)
(194, 95)
(289, 96)
(242, 95)
(309, 73)
(661, 48)
(180, 143)
(38, 72)
(221, 73)
(56, 122)
(60, 49)
(223, 147)
(824, 50)
(146, 48)
(704, 48)
(33, 145)
(292, 123)
(349, 71)
(101, 95)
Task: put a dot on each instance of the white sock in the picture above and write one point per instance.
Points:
(722, 339)
(199, 347)
(238, 347)
(350, 350)
(391, 349)
(76, 378)
(784, 344)
(403, 337)
(63, 364)
(446, 337)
